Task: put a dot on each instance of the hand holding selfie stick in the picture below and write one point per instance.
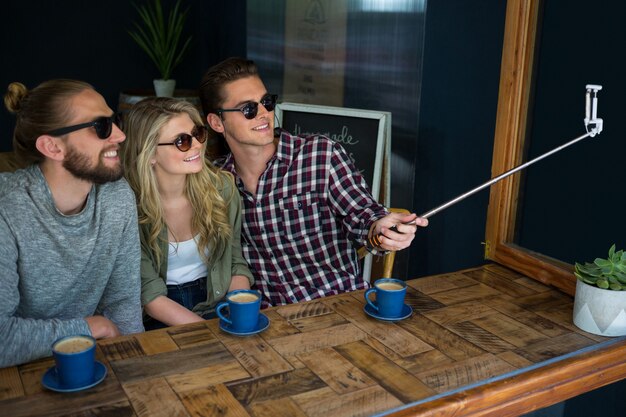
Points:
(591, 108)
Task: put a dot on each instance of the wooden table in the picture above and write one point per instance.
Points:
(484, 341)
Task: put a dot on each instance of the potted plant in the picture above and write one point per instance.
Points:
(600, 301)
(161, 40)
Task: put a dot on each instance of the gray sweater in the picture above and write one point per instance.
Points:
(55, 270)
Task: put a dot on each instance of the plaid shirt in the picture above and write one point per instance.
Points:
(300, 231)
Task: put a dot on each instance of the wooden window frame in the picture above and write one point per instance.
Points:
(516, 83)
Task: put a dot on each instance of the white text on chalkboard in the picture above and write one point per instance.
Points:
(344, 138)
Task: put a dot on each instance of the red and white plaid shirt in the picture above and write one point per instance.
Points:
(301, 230)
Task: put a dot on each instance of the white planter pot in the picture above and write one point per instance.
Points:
(598, 311)
(164, 88)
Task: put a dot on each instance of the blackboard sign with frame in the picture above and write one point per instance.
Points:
(364, 134)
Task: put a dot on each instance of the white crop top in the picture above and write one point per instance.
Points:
(184, 263)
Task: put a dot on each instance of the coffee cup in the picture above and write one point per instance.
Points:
(243, 310)
(75, 360)
(389, 297)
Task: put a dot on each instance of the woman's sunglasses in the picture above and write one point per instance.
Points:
(184, 140)
(103, 126)
(251, 109)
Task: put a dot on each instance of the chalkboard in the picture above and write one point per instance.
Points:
(364, 134)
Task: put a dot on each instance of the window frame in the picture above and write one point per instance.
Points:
(516, 84)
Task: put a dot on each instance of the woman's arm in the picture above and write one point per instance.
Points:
(170, 312)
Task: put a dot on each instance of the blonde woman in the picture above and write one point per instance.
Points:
(189, 214)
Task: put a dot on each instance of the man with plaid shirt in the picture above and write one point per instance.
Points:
(306, 207)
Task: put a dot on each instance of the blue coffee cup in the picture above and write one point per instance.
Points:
(243, 310)
(75, 360)
(389, 297)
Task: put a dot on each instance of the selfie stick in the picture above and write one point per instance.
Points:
(591, 109)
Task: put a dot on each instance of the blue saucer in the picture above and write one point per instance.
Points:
(50, 379)
(406, 313)
(262, 324)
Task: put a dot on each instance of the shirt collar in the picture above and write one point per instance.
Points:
(284, 147)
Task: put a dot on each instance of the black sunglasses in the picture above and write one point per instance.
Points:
(103, 126)
(184, 140)
(251, 109)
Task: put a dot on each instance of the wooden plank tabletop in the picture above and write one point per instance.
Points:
(483, 341)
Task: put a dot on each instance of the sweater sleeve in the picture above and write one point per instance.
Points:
(24, 339)
(120, 301)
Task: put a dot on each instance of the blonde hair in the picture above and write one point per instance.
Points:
(210, 222)
(39, 111)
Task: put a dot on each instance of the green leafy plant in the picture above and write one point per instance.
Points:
(161, 39)
(609, 273)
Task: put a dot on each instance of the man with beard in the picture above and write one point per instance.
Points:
(69, 243)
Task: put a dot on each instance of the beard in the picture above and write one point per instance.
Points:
(79, 165)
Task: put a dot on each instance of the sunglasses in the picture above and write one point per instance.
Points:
(103, 126)
(184, 140)
(251, 109)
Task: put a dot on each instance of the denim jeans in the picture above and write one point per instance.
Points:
(188, 295)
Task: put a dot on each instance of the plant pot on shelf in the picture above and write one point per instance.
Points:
(600, 311)
(164, 88)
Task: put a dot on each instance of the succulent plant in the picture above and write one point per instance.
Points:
(608, 274)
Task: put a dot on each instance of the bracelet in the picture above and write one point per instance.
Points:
(373, 243)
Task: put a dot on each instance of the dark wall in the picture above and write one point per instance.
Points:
(88, 40)
(461, 73)
(577, 186)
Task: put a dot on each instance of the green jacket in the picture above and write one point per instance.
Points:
(229, 261)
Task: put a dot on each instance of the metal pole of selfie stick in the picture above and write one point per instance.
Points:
(591, 108)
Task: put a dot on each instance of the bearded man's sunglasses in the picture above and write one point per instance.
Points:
(251, 109)
(184, 141)
(103, 126)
